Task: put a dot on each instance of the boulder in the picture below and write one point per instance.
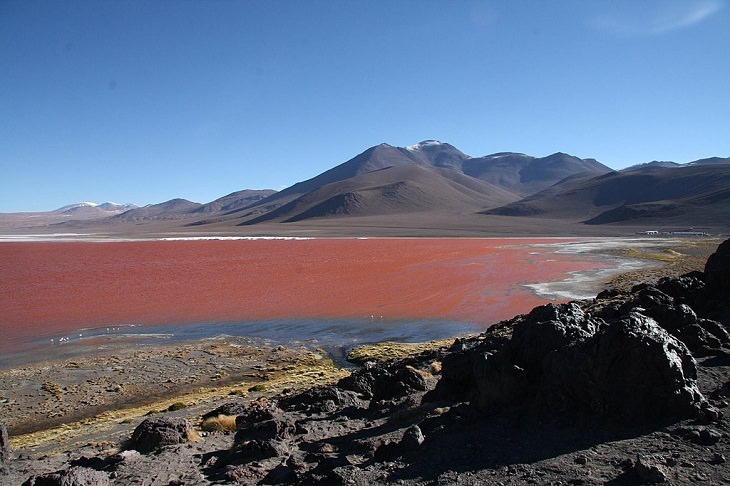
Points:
(717, 270)
(263, 422)
(74, 476)
(562, 361)
(633, 371)
(379, 382)
(545, 329)
(365, 380)
(673, 313)
(685, 289)
(321, 399)
(412, 438)
(154, 433)
(230, 408)
(637, 372)
(256, 449)
(651, 468)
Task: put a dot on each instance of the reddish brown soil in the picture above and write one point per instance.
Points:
(49, 287)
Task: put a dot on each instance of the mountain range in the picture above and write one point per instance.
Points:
(432, 187)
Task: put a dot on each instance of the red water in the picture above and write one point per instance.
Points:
(49, 287)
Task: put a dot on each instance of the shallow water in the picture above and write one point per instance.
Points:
(336, 337)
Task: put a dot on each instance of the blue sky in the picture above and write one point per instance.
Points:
(143, 101)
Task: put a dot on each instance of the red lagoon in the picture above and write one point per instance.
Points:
(55, 287)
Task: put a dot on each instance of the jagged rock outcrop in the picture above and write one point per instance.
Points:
(631, 370)
(154, 433)
(378, 382)
(717, 271)
(563, 360)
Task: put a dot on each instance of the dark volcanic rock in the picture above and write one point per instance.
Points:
(321, 399)
(378, 382)
(679, 318)
(74, 476)
(651, 468)
(153, 434)
(717, 270)
(498, 382)
(230, 408)
(261, 449)
(633, 370)
(686, 289)
(546, 329)
(412, 438)
(562, 360)
(263, 422)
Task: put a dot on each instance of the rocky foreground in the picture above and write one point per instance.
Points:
(631, 387)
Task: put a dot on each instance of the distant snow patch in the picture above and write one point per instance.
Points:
(425, 143)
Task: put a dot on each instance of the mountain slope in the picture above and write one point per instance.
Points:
(480, 183)
(691, 192)
(173, 209)
(527, 175)
(235, 201)
(397, 189)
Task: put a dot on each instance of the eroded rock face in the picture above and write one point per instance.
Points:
(154, 433)
(561, 360)
(632, 371)
(546, 329)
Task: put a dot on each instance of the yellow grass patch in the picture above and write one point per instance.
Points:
(382, 352)
(219, 423)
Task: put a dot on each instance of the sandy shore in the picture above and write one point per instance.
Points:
(51, 406)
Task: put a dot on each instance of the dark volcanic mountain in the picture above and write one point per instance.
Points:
(375, 158)
(697, 193)
(402, 188)
(424, 177)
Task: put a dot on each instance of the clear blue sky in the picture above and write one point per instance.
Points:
(143, 101)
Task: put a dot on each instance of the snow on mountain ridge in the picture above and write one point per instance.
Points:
(85, 204)
(425, 143)
(107, 206)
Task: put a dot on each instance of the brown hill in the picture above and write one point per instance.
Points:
(428, 176)
(402, 188)
(689, 195)
(235, 201)
(172, 209)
